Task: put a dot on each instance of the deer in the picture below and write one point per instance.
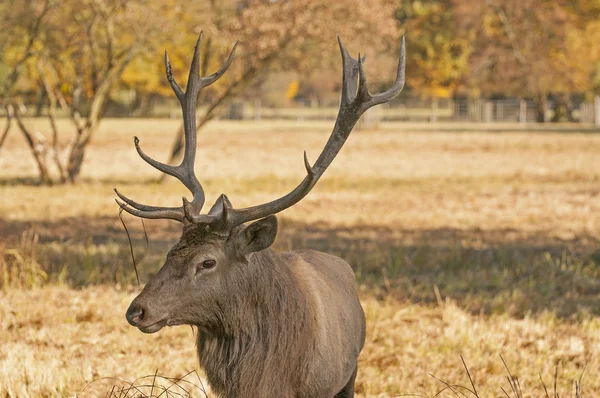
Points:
(268, 324)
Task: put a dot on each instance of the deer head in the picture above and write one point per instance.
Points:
(202, 270)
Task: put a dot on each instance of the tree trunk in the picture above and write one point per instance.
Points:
(143, 105)
(76, 156)
(97, 106)
(40, 102)
(77, 150)
(52, 99)
(36, 151)
(541, 103)
(563, 110)
(54, 149)
(9, 115)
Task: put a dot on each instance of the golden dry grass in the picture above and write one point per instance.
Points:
(55, 340)
(465, 243)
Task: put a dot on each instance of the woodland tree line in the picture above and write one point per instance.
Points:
(75, 55)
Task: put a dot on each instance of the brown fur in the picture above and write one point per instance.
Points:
(290, 339)
(269, 324)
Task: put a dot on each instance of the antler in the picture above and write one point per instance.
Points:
(185, 171)
(356, 99)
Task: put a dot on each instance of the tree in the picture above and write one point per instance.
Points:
(81, 51)
(23, 22)
(521, 48)
(439, 52)
(584, 52)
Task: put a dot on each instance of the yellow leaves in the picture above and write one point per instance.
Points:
(79, 39)
(442, 92)
(530, 47)
(141, 73)
(438, 51)
(292, 90)
(418, 8)
(580, 56)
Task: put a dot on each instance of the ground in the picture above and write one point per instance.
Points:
(471, 240)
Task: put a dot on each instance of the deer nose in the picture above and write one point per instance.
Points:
(134, 315)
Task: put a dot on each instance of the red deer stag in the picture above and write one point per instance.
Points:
(269, 324)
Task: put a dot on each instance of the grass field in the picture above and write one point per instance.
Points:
(467, 240)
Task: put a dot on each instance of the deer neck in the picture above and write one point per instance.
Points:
(262, 325)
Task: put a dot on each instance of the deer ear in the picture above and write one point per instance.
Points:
(258, 236)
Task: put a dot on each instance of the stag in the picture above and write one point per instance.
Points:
(269, 324)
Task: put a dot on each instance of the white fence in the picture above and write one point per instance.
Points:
(402, 109)
(590, 112)
(431, 111)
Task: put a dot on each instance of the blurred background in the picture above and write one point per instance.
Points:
(469, 206)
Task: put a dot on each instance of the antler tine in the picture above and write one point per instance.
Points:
(162, 213)
(354, 102)
(145, 208)
(349, 74)
(178, 92)
(208, 80)
(184, 172)
(398, 85)
(165, 168)
(193, 83)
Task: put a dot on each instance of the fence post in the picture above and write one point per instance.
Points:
(500, 111)
(434, 108)
(488, 109)
(257, 109)
(597, 111)
(474, 110)
(522, 111)
(457, 115)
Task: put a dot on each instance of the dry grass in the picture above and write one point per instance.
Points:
(55, 340)
(465, 242)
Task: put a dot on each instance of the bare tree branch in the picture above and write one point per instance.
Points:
(510, 33)
(9, 115)
(52, 98)
(84, 135)
(35, 147)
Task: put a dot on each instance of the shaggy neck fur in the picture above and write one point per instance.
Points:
(262, 328)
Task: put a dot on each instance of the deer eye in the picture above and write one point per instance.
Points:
(208, 264)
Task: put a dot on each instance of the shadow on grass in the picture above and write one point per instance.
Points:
(25, 181)
(495, 128)
(35, 181)
(499, 271)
